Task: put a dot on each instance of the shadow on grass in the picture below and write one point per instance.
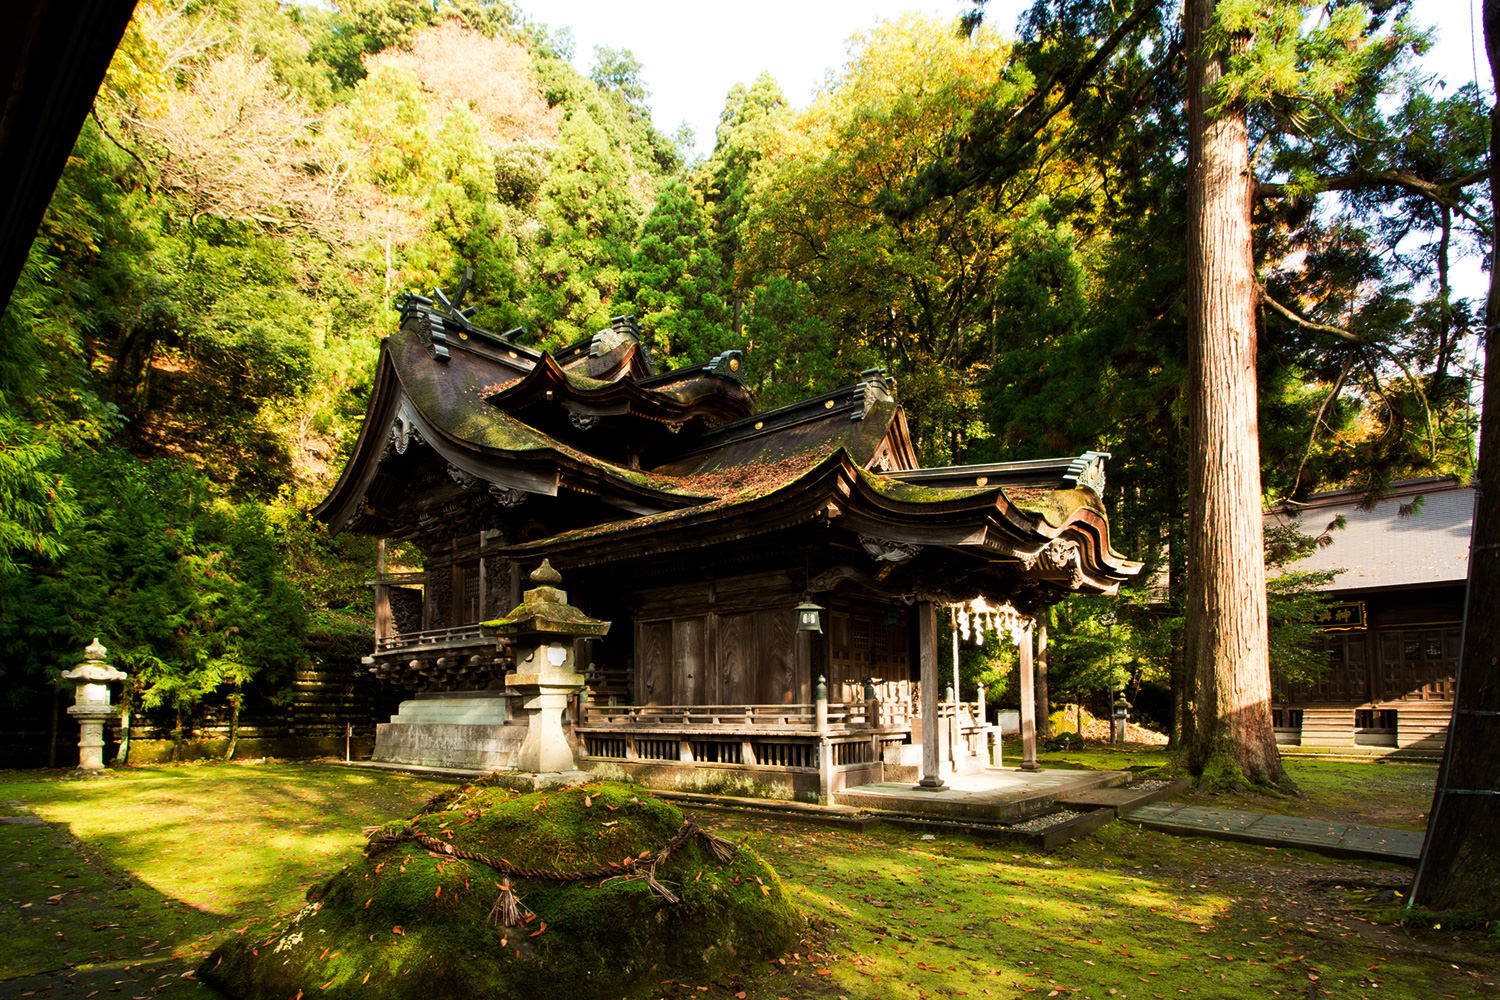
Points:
(187, 854)
(1128, 913)
(76, 925)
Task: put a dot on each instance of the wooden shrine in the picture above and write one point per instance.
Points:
(704, 531)
(1394, 622)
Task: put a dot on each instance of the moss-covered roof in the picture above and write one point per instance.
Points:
(760, 473)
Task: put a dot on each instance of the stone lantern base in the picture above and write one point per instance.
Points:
(91, 720)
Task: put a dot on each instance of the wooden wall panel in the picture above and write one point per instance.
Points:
(775, 679)
(738, 658)
(692, 679)
(653, 663)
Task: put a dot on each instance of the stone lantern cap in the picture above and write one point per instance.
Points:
(93, 669)
(544, 611)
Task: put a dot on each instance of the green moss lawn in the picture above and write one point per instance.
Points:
(134, 877)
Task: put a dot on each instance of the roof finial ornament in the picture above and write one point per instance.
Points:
(452, 306)
(545, 576)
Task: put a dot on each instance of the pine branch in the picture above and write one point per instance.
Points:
(1440, 191)
(1304, 322)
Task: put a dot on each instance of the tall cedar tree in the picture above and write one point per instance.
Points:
(1461, 851)
(1226, 611)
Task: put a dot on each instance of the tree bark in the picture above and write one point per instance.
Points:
(1226, 651)
(1461, 854)
(234, 723)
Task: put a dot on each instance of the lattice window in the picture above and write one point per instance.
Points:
(605, 746)
(716, 752)
(1380, 719)
(776, 754)
(647, 749)
(851, 753)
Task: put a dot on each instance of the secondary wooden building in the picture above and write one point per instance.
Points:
(704, 531)
(1394, 627)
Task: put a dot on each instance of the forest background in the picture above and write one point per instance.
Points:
(190, 347)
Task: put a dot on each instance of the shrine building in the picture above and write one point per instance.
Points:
(1394, 621)
(773, 580)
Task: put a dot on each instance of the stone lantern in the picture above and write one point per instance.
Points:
(91, 706)
(542, 630)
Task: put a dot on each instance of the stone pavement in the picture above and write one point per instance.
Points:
(992, 795)
(1343, 840)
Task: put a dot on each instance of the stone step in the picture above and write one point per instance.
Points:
(477, 711)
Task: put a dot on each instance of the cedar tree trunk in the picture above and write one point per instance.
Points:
(1460, 862)
(1225, 631)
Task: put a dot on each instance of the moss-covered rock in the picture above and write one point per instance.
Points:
(407, 921)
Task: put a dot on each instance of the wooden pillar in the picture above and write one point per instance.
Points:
(932, 779)
(1028, 702)
(956, 749)
(1043, 700)
(384, 624)
(483, 583)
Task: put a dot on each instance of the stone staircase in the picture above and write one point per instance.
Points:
(469, 730)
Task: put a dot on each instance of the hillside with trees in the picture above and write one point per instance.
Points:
(1002, 223)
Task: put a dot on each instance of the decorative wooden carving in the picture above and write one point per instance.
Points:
(887, 550)
(507, 496)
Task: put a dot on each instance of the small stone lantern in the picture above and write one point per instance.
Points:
(91, 706)
(1119, 718)
(542, 630)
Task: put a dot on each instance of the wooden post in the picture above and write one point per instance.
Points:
(955, 732)
(985, 756)
(825, 771)
(483, 583)
(1028, 704)
(820, 704)
(932, 779)
(384, 624)
(957, 749)
(1043, 698)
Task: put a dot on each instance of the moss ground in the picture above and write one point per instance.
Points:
(180, 858)
(406, 922)
(1392, 794)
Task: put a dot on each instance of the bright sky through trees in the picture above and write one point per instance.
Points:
(693, 52)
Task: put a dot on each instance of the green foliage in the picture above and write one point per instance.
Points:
(790, 351)
(618, 71)
(1293, 605)
(185, 590)
(674, 281)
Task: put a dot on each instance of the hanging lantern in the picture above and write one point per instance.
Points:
(808, 619)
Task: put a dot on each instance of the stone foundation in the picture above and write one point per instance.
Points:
(464, 729)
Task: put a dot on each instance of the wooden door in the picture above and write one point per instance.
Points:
(1418, 664)
(653, 663)
(1348, 676)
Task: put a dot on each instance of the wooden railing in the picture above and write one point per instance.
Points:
(401, 579)
(851, 715)
(459, 635)
(791, 718)
(789, 751)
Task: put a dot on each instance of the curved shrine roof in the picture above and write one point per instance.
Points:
(523, 420)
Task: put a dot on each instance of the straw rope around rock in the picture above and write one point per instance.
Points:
(507, 909)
